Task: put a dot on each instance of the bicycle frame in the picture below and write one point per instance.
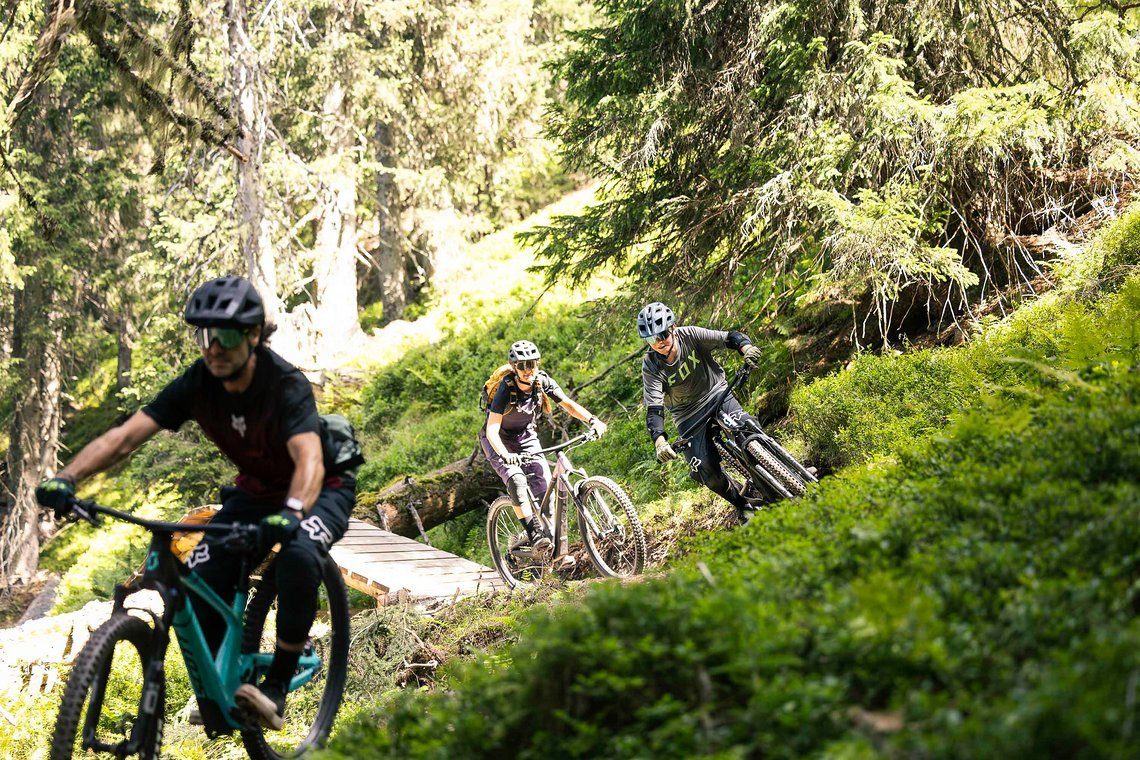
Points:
(213, 679)
(560, 489)
(727, 429)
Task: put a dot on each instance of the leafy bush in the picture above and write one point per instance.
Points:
(902, 607)
(877, 404)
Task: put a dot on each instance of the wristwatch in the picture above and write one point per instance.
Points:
(295, 504)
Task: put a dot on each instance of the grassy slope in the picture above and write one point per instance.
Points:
(967, 586)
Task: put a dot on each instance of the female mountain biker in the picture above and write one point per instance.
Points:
(680, 374)
(260, 412)
(510, 430)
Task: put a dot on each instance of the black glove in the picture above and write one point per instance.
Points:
(56, 493)
(277, 528)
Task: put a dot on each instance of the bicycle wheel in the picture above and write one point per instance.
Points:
(610, 528)
(311, 708)
(794, 484)
(107, 682)
(517, 566)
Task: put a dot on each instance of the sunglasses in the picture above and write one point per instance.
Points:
(527, 364)
(227, 337)
(660, 337)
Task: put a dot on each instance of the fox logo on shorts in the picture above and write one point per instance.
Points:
(317, 530)
(199, 556)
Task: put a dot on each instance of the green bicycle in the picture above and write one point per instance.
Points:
(115, 696)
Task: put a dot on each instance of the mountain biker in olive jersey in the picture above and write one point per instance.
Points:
(260, 412)
(680, 374)
(510, 430)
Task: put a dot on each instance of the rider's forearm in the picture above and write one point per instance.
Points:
(308, 469)
(96, 456)
(576, 410)
(110, 448)
(737, 340)
(655, 422)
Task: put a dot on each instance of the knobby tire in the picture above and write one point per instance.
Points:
(262, 744)
(620, 551)
(764, 458)
(501, 526)
(94, 666)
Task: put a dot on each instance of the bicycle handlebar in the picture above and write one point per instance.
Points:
(87, 509)
(578, 440)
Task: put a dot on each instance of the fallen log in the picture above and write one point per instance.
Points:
(413, 505)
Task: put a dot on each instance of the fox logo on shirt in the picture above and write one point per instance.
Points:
(238, 422)
(688, 364)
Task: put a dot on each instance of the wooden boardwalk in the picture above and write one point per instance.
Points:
(391, 567)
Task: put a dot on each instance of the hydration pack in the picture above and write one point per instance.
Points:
(342, 451)
(492, 385)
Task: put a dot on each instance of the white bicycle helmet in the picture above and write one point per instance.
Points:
(654, 319)
(521, 350)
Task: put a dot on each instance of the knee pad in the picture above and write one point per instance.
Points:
(519, 492)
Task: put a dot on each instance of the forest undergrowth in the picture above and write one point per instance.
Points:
(965, 585)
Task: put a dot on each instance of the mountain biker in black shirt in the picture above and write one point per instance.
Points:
(260, 412)
(680, 374)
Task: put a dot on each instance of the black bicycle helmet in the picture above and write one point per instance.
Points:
(654, 319)
(522, 350)
(225, 302)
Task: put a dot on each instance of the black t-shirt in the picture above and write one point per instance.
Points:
(251, 428)
(519, 409)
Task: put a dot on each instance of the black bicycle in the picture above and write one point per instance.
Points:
(763, 469)
(114, 701)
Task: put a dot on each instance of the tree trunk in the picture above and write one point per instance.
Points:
(126, 335)
(391, 259)
(34, 429)
(337, 318)
(249, 108)
(437, 497)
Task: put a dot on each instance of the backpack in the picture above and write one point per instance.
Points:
(492, 385)
(342, 451)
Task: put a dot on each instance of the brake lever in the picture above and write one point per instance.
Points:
(82, 509)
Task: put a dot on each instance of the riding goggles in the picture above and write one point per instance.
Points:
(660, 337)
(527, 364)
(227, 337)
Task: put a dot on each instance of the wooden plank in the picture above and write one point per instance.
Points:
(394, 577)
(377, 536)
(373, 556)
(437, 563)
(381, 563)
(387, 549)
(414, 581)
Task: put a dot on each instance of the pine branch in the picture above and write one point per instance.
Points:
(150, 102)
(48, 45)
(196, 84)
